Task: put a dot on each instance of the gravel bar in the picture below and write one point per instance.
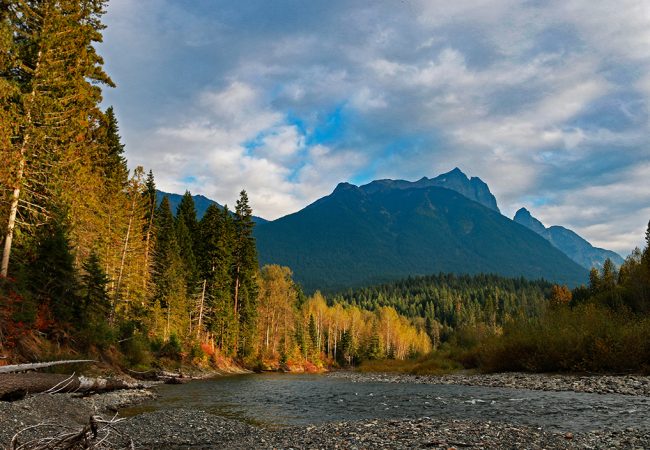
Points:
(595, 384)
(197, 429)
(189, 429)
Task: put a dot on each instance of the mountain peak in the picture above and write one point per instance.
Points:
(455, 173)
(521, 213)
(474, 188)
(455, 180)
(525, 218)
(569, 242)
(344, 186)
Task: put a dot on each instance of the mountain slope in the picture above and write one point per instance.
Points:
(474, 188)
(570, 243)
(362, 236)
(200, 202)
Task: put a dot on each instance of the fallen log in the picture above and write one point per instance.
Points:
(149, 375)
(14, 386)
(160, 375)
(41, 365)
(176, 380)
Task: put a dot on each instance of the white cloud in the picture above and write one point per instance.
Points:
(606, 213)
(527, 95)
(233, 140)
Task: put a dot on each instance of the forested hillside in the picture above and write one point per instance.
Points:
(497, 324)
(448, 302)
(93, 264)
(360, 236)
(201, 203)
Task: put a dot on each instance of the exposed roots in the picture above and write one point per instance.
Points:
(98, 433)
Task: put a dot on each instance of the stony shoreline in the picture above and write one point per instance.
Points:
(595, 384)
(196, 429)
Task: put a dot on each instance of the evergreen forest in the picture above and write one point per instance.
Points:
(93, 264)
(491, 323)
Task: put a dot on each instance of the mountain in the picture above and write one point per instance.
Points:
(386, 230)
(474, 188)
(569, 242)
(200, 202)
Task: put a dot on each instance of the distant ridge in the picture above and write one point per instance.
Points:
(390, 229)
(573, 245)
(201, 203)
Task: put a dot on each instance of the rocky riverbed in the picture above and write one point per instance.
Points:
(199, 429)
(596, 384)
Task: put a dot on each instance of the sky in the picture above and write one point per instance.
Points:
(548, 102)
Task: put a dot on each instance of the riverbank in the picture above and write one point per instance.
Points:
(595, 384)
(183, 428)
(199, 428)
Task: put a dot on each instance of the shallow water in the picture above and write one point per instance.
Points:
(282, 399)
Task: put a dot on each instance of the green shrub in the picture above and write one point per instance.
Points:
(172, 348)
(586, 338)
(137, 351)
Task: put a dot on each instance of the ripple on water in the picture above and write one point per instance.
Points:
(275, 399)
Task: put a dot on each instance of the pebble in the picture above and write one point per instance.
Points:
(598, 384)
(197, 429)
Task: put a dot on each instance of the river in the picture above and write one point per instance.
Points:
(273, 400)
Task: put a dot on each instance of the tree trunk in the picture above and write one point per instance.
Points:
(198, 328)
(13, 210)
(41, 365)
(147, 245)
(236, 292)
(14, 386)
(236, 319)
(123, 258)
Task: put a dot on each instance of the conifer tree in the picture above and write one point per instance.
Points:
(52, 273)
(244, 270)
(594, 281)
(148, 231)
(58, 73)
(186, 235)
(130, 279)
(169, 280)
(186, 212)
(95, 302)
(9, 94)
(113, 163)
(215, 244)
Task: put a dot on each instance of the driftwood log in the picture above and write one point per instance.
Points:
(41, 365)
(97, 434)
(160, 375)
(14, 386)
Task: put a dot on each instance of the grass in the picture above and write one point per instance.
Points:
(438, 363)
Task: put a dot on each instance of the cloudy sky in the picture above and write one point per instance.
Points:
(546, 101)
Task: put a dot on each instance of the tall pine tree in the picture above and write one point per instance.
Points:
(186, 234)
(56, 70)
(245, 267)
(168, 276)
